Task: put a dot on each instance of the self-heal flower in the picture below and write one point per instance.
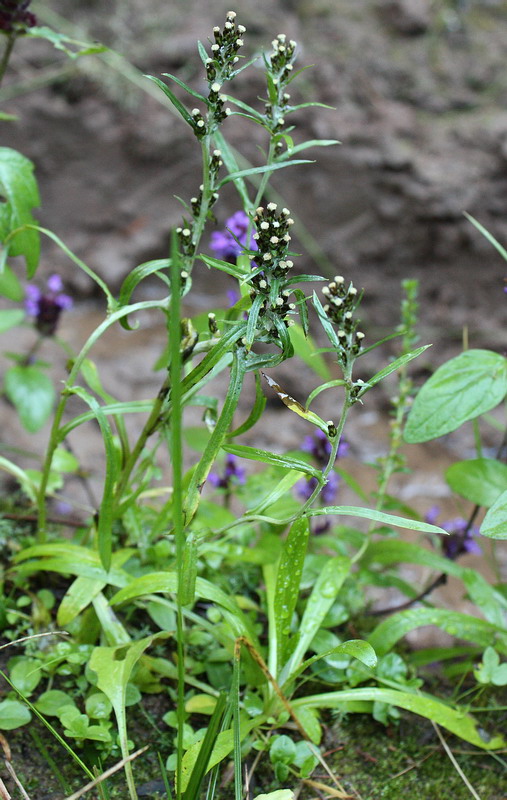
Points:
(225, 245)
(319, 446)
(233, 474)
(306, 487)
(47, 306)
(461, 537)
(14, 18)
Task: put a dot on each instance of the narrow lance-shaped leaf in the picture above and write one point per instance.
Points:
(288, 579)
(377, 516)
(255, 454)
(295, 406)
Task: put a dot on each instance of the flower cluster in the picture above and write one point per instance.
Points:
(280, 64)
(231, 242)
(14, 18)
(47, 306)
(233, 474)
(219, 68)
(341, 304)
(461, 537)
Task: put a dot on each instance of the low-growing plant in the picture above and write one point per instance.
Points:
(229, 588)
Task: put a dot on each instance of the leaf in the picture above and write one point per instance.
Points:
(456, 721)
(356, 648)
(255, 454)
(172, 97)
(494, 525)
(52, 702)
(461, 389)
(491, 671)
(480, 480)
(305, 145)
(13, 714)
(462, 626)
(279, 794)
(26, 675)
(491, 239)
(10, 286)
(288, 579)
(304, 347)
(10, 317)
(231, 269)
(395, 365)
(60, 42)
(19, 188)
(32, 394)
(295, 406)
(322, 597)
(244, 173)
(377, 516)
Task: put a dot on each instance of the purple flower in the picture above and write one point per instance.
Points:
(320, 447)
(223, 243)
(305, 488)
(233, 474)
(14, 18)
(461, 535)
(47, 306)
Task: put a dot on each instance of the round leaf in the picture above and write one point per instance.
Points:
(13, 714)
(32, 393)
(480, 480)
(98, 706)
(461, 389)
(52, 702)
(25, 675)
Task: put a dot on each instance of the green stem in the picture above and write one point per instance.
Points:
(9, 45)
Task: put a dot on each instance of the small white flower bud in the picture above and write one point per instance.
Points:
(231, 15)
(290, 264)
(185, 232)
(235, 59)
(183, 274)
(215, 48)
(274, 240)
(208, 61)
(200, 123)
(241, 29)
(353, 290)
(195, 112)
(259, 210)
(339, 278)
(216, 29)
(280, 121)
(228, 26)
(274, 43)
(228, 112)
(290, 221)
(288, 67)
(266, 257)
(286, 96)
(215, 87)
(193, 199)
(271, 206)
(178, 230)
(285, 212)
(342, 334)
(263, 284)
(292, 306)
(255, 236)
(281, 48)
(359, 335)
(286, 238)
(281, 37)
(222, 97)
(217, 153)
(276, 224)
(264, 226)
(282, 264)
(239, 42)
(279, 302)
(348, 315)
(293, 43)
(326, 291)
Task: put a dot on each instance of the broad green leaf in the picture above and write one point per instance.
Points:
(491, 671)
(288, 579)
(201, 704)
(494, 525)
(462, 626)
(13, 714)
(480, 480)
(113, 630)
(52, 702)
(98, 706)
(461, 389)
(26, 675)
(279, 794)
(456, 721)
(253, 453)
(11, 288)
(377, 516)
(19, 188)
(32, 393)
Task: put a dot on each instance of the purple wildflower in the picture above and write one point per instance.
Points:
(319, 446)
(223, 243)
(306, 486)
(14, 18)
(232, 475)
(47, 306)
(461, 535)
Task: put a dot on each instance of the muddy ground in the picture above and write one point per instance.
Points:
(418, 91)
